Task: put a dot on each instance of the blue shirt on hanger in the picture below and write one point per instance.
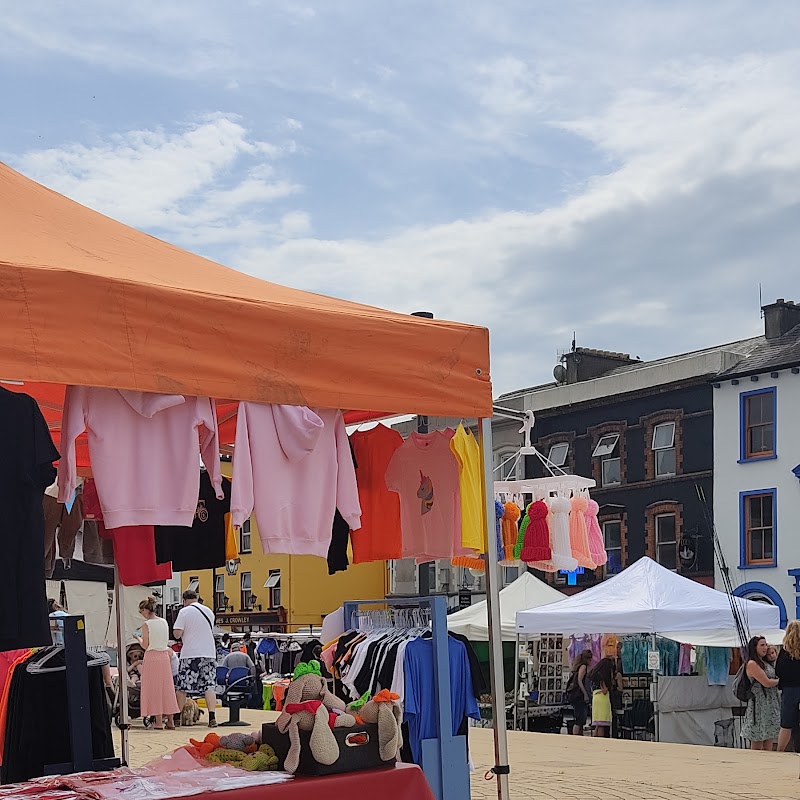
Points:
(420, 708)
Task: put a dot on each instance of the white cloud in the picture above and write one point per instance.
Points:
(201, 184)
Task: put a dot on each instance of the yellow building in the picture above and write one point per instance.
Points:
(254, 591)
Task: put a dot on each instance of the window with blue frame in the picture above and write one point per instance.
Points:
(758, 528)
(758, 411)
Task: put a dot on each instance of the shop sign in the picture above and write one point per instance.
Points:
(464, 599)
(232, 566)
(687, 551)
(653, 660)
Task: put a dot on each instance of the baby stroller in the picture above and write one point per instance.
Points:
(134, 654)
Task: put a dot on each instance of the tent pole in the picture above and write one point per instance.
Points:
(654, 646)
(122, 668)
(501, 768)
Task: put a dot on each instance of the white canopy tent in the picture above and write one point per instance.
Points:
(647, 598)
(527, 591)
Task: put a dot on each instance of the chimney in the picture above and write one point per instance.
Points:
(583, 363)
(780, 317)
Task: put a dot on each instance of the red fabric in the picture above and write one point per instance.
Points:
(379, 537)
(91, 501)
(135, 555)
(402, 782)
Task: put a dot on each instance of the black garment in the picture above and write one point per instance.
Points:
(480, 686)
(203, 545)
(25, 472)
(340, 538)
(788, 670)
(37, 723)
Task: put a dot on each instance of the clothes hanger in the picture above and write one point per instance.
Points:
(39, 668)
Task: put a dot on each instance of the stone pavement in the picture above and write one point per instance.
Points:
(549, 767)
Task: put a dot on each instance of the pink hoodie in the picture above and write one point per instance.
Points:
(293, 465)
(144, 453)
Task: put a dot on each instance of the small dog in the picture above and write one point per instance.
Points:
(191, 713)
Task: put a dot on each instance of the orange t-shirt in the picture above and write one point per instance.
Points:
(379, 537)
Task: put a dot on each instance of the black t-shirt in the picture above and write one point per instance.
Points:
(340, 538)
(25, 472)
(203, 545)
(788, 670)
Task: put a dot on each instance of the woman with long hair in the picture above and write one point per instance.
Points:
(577, 693)
(787, 669)
(604, 681)
(158, 689)
(762, 717)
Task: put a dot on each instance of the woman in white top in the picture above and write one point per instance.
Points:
(158, 689)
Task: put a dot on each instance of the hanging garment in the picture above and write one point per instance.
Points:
(499, 511)
(25, 472)
(293, 466)
(536, 546)
(685, 660)
(523, 529)
(597, 547)
(95, 549)
(509, 530)
(144, 452)
(473, 507)
(718, 662)
(379, 538)
(135, 554)
(202, 546)
(231, 548)
(578, 533)
(469, 562)
(60, 526)
(37, 708)
(340, 537)
(608, 645)
(559, 532)
(419, 699)
(424, 472)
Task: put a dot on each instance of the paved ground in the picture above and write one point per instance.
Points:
(547, 767)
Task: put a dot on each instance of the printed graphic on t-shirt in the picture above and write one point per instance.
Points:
(201, 512)
(425, 493)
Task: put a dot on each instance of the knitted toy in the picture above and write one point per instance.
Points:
(239, 741)
(223, 756)
(207, 746)
(384, 711)
(536, 546)
(311, 707)
(509, 530)
(597, 547)
(526, 520)
(578, 533)
(559, 535)
(263, 760)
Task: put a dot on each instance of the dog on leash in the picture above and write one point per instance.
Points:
(191, 713)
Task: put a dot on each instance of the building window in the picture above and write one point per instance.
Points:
(612, 538)
(667, 541)
(510, 574)
(607, 450)
(274, 585)
(194, 584)
(244, 538)
(757, 422)
(558, 454)
(219, 593)
(508, 465)
(664, 449)
(758, 529)
(174, 595)
(247, 593)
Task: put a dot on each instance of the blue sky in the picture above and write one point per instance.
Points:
(628, 170)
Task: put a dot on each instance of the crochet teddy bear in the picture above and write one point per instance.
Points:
(384, 711)
(309, 706)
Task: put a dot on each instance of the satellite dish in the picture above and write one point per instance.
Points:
(560, 373)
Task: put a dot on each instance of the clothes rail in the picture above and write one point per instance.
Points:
(444, 760)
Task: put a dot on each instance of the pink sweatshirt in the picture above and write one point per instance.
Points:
(293, 465)
(144, 453)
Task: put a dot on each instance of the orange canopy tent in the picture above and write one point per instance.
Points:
(87, 300)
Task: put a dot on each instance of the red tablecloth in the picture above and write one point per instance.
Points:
(403, 782)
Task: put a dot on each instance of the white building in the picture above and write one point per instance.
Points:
(757, 465)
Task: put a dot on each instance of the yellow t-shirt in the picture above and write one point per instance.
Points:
(473, 512)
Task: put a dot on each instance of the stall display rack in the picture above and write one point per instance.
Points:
(444, 760)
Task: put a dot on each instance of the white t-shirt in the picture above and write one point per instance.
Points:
(196, 621)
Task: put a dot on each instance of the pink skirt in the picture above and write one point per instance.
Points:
(158, 689)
